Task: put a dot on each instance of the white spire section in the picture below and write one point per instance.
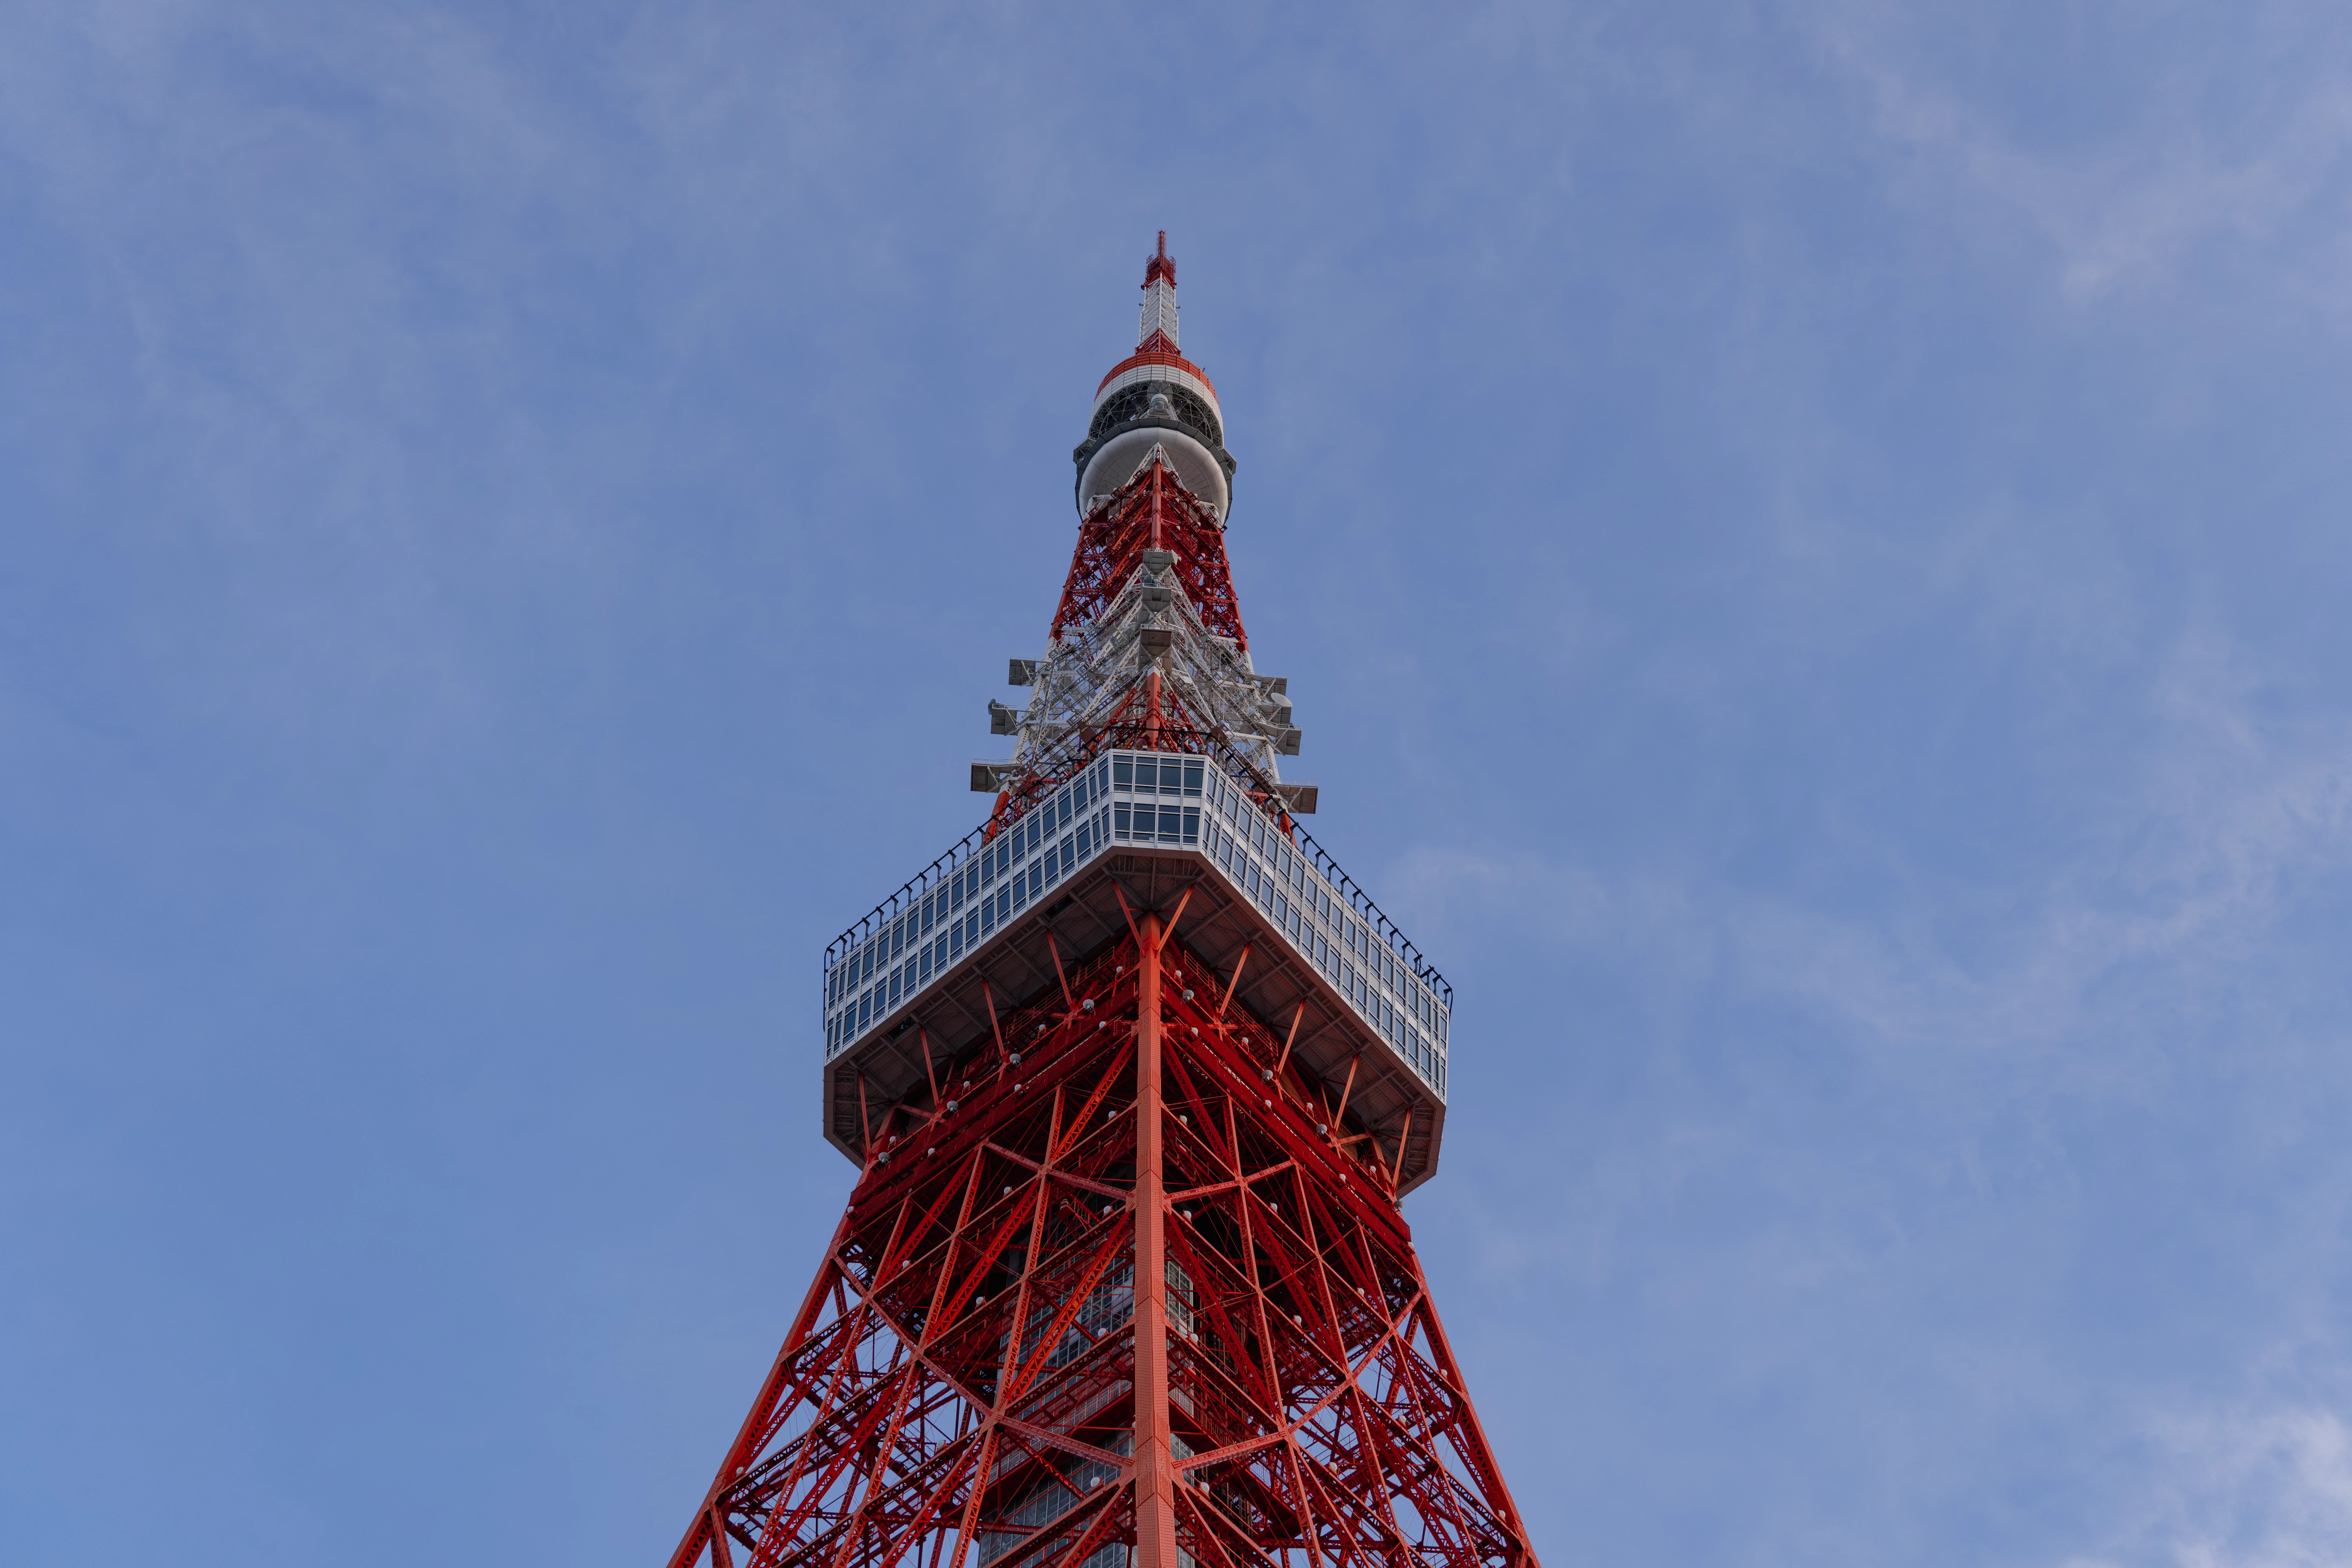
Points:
(1159, 298)
(1158, 312)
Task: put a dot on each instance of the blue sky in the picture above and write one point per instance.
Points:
(1808, 542)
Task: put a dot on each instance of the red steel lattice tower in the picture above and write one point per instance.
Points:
(1136, 1079)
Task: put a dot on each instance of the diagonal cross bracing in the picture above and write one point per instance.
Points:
(988, 1269)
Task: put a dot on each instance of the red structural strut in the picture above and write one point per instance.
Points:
(1152, 511)
(1138, 1291)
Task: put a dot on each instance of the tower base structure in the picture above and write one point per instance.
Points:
(1124, 1293)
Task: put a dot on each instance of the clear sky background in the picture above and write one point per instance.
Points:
(1810, 544)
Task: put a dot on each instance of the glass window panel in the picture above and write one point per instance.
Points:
(1086, 832)
(1122, 772)
(1147, 775)
(1192, 778)
(866, 1009)
(1003, 903)
(1191, 824)
(988, 914)
(955, 939)
(1118, 820)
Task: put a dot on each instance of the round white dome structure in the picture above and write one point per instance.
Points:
(1115, 460)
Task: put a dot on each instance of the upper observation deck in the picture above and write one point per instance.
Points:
(986, 927)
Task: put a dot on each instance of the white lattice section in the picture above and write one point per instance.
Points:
(1159, 311)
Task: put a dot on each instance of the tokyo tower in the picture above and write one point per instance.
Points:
(1135, 1079)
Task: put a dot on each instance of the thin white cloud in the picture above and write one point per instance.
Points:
(2130, 209)
(2265, 1488)
(2185, 880)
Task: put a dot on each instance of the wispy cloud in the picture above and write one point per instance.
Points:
(2263, 1487)
(2129, 209)
(2220, 819)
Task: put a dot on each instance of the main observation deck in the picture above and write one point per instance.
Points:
(985, 928)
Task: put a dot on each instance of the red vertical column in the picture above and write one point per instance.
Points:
(1155, 1463)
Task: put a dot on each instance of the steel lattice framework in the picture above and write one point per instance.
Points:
(1124, 1281)
(1160, 514)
